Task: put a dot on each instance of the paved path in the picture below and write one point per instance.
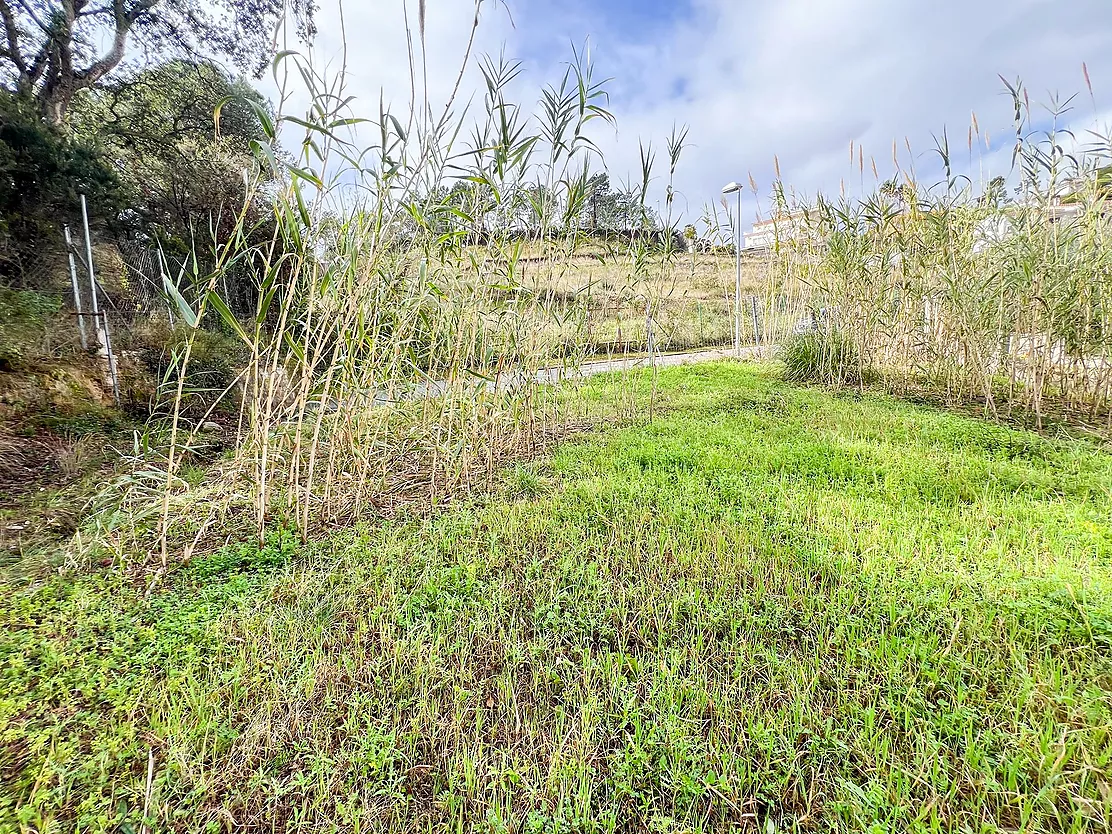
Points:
(665, 360)
(548, 376)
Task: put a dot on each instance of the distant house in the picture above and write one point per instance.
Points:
(1000, 227)
(766, 233)
(1061, 210)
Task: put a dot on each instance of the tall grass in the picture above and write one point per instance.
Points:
(398, 348)
(956, 286)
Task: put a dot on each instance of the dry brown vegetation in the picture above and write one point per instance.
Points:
(691, 296)
(964, 292)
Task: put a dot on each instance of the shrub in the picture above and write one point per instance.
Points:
(43, 170)
(214, 360)
(823, 356)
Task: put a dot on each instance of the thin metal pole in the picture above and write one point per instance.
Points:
(111, 362)
(89, 263)
(76, 289)
(737, 283)
(101, 320)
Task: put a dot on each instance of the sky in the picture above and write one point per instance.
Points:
(755, 82)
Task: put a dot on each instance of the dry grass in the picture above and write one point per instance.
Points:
(385, 347)
(963, 288)
(691, 297)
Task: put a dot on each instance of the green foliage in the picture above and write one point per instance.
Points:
(83, 424)
(54, 50)
(42, 173)
(26, 317)
(587, 204)
(526, 481)
(996, 193)
(180, 133)
(879, 617)
(824, 356)
(215, 358)
(280, 546)
(615, 211)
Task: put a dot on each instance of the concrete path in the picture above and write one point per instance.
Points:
(664, 360)
(549, 376)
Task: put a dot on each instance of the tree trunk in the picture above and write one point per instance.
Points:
(54, 102)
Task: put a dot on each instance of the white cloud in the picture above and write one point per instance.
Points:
(797, 78)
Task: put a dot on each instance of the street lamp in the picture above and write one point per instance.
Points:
(734, 188)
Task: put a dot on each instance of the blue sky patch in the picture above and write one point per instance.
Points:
(637, 17)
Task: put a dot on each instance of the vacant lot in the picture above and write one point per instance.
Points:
(690, 297)
(774, 607)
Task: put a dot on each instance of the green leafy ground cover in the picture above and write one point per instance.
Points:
(773, 607)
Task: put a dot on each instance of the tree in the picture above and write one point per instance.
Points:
(600, 202)
(606, 210)
(179, 136)
(53, 49)
(42, 172)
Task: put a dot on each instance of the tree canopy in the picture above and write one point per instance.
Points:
(53, 49)
(179, 137)
(610, 211)
(161, 156)
(43, 171)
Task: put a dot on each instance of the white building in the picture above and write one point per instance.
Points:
(765, 233)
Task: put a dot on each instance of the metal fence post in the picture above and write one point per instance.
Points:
(737, 281)
(98, 317)
(76, 289)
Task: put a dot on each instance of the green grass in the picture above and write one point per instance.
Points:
(774, 607)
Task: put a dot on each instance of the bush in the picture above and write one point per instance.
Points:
(823, 356)
(43, 171)
(214, 361)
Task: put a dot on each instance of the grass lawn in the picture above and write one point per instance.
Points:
(773, 607)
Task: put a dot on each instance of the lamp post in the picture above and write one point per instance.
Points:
(734, 188)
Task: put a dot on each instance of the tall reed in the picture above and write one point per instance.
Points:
(959, 287)
(399, 347)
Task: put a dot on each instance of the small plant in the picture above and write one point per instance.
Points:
(280, 546)
(824, 356)
(524, 481)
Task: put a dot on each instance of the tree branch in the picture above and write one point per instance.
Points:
(31, 14)
(12, 53)
(140, 9)
(125, 20)
(101, 67)
(38, 66)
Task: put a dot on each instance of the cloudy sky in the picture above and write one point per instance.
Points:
(793, 79)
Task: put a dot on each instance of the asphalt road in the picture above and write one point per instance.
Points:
(548, 376)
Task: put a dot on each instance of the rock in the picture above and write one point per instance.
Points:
(209, 427)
